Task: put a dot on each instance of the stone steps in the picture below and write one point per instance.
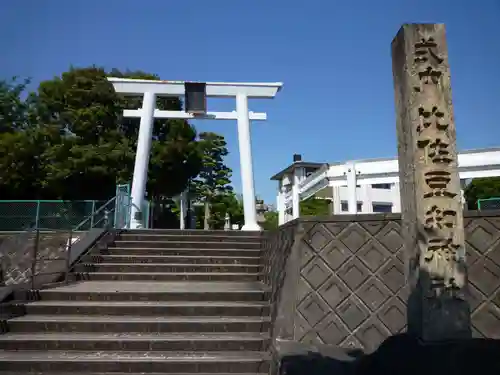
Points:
(166, 276)
(158, 291)
(117, 324)
(171, 259)
(179, 251)
(132, 237)
(151, 308)
(144, 362)
(186, 244)
(134, 341)
(121, 373)
(167, 268)
(193, 232)
(168, 302)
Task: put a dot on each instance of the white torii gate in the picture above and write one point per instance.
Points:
(151, 89)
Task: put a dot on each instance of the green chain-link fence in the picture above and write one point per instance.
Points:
(488, 204)
(18, 215)
(57, 214)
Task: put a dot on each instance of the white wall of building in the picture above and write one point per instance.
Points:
(373, 184)
(370, 198)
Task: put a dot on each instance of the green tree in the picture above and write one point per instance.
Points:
(481, 188)
(214, 177)
(14, 109)
(82, 103)
(234, 207)
(227, 203)
(314, 207)
(22, 143)
(21, 165)
(221, 204)
(271, 220)
(75, 144)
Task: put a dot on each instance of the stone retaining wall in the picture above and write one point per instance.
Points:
(340, 280)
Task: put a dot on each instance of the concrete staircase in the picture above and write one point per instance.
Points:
(154, 302)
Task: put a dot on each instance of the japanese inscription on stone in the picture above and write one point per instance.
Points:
(433, 141)
(432, 218)
(426, 55)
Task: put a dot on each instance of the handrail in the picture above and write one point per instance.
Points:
(314, 182)
(33, 255)
(70, 242)
(323, 170)
(47, 256)
(90, 217)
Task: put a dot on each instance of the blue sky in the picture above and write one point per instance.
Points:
(333, 57)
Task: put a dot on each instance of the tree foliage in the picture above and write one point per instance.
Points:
(308, 207)
(13, 108)
(22, 143)
(271, 220)
(481, 188)
(231, 204)
(68, 140)
(221, 204)
(314, 207)
(212, 185)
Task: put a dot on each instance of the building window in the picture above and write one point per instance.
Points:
(382, 208)
(381, 186)
(345, 206)
(310, 171)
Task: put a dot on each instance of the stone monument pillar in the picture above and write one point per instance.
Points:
(432, 218)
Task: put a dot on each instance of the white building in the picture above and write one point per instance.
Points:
(362, 186)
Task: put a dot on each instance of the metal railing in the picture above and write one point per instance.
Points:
(101, 218)
(51, 254)
(488, 204)
(41, 256)
(17, 215)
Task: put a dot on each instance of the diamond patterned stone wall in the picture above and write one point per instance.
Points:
(482, 234)
(276, 250)
(351, 287)
(351, 290)
(16, 257)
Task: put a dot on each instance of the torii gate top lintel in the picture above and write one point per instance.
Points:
(255, 90)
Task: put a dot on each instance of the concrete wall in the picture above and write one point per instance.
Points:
(340, 280)
(17, 254)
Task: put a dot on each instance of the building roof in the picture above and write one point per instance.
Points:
(471, 151)
(297, 164)
(278, 176)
